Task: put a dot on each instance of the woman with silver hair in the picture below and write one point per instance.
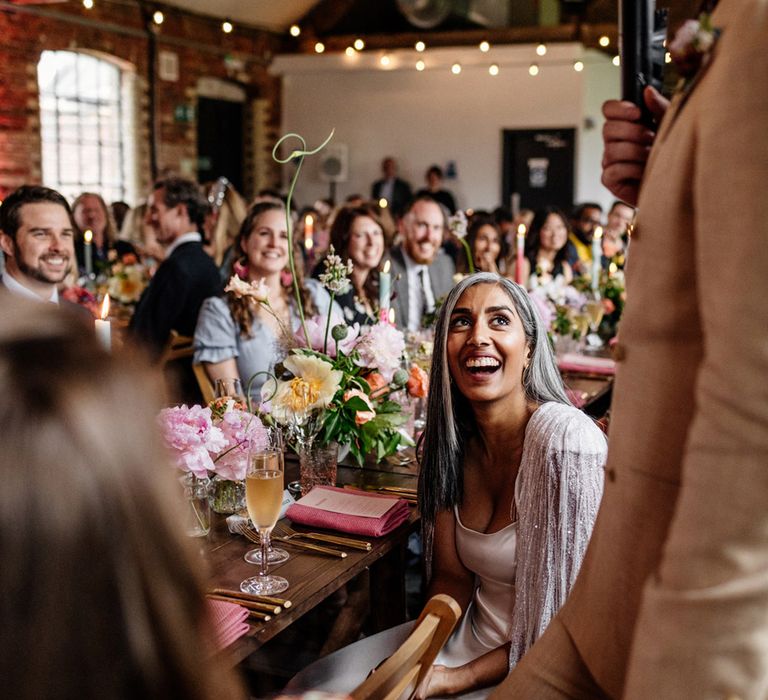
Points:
(510, 483)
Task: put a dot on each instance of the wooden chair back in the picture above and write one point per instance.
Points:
(179, 347)
(399, 676)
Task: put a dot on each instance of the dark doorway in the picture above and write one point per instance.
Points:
(538, 168)
(220, 141)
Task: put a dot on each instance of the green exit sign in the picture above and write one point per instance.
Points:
(184, 114)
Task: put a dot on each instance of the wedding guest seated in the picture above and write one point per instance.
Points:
(236, 337)
(510, 483)
(486, 243)
(545, 250)
(139, 233)
(422, 273)
(37, 236)
(92, 214)
(434, 189)
(586, 217)
(357, 235)
(395, 191)
(100, 594)
(620, 216)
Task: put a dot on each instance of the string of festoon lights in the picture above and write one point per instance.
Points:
(158, 17)
(421, 63)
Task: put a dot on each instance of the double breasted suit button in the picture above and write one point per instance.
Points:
(619, 352)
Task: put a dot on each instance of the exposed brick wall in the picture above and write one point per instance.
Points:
(117, 30)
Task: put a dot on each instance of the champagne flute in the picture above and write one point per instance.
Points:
(275, 555)
(264, 496)
(580, 323)
(595, 310)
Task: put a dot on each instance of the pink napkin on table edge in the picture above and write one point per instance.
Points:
(574, 362)
(576, 397)
(229, 621)
(352, 524)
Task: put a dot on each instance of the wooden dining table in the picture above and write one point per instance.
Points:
(314, 577)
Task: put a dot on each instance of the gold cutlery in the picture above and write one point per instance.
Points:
(245, 531)
(250, 596)
(249, 604)
(288, 534)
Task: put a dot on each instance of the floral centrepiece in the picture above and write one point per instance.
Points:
(214, 440)
(127, 279)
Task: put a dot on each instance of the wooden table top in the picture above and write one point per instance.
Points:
(312, 577)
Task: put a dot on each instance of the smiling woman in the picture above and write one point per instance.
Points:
(510, 483)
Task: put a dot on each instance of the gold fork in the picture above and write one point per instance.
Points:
(245, 531)
(287, 534)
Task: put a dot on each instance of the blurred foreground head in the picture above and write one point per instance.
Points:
(99, 595)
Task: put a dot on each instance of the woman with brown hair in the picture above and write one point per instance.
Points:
(235, 336)
(100, 594)
(357, 234)
(92, 214)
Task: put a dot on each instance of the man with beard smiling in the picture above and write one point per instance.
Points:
(37, 237)
(422, 271)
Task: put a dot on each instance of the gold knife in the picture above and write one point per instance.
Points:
(311, 547)
(334, 539)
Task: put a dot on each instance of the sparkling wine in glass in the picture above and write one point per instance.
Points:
(264, 496)
(595, 310)
(275, 555)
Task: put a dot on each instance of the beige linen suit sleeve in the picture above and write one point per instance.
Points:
(703, 625)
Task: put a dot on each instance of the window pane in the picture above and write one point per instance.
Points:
(84, 101)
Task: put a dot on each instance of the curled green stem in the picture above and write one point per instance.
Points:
(298, 156)
(470, 262)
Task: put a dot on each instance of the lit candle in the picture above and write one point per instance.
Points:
(391, 317)
(597, 257)
(88, 251)
(385, 282)
(103, 329)
(309, 231)
(520, 254)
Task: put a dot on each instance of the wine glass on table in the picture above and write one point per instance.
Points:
(264, 496)
(274, 445)
(595, 310)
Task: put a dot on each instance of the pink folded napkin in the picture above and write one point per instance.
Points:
(576, 397)
(228, 621)
(397, 514)
(573, 362)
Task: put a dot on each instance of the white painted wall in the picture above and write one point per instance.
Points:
(434, 116)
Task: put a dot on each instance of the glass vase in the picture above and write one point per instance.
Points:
(197, 510)
(317, 465)
(227, 497)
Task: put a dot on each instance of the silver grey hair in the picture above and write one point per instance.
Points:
(449, 417)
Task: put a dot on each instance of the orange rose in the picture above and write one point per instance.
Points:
(361, 416)
(608, 306)
(377, 383)
(418, 382)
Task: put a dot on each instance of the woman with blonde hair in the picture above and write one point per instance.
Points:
(100, 593)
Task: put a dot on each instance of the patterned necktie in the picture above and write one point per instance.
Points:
(426, 290)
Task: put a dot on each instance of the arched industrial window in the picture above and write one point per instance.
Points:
(87, 125)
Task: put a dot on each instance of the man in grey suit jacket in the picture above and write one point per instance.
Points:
(422, 272)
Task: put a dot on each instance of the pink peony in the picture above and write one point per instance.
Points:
(361, 417)
(191, 436)
(243, 432)
(316, 329)
(543, 308)
(381, 349)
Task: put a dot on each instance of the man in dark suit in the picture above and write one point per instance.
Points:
(395, 191)
(186, 277)
(422, 271)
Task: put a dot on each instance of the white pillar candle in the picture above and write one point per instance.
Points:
(385, 282)
(103, 328)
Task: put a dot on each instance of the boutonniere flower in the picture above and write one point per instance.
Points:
(692, 47)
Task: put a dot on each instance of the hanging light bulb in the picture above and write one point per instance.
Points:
(420, 46)
(616, 60)
(456, 68)
(533, 69)
(158, 17)
(420, 65)
(88, 4)
(295, 30)
(319, 47)
(359, 44)
(578, 66)
(226, 26)
(541, 50)
(493, 69)
(485, 47)
(604, 40)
